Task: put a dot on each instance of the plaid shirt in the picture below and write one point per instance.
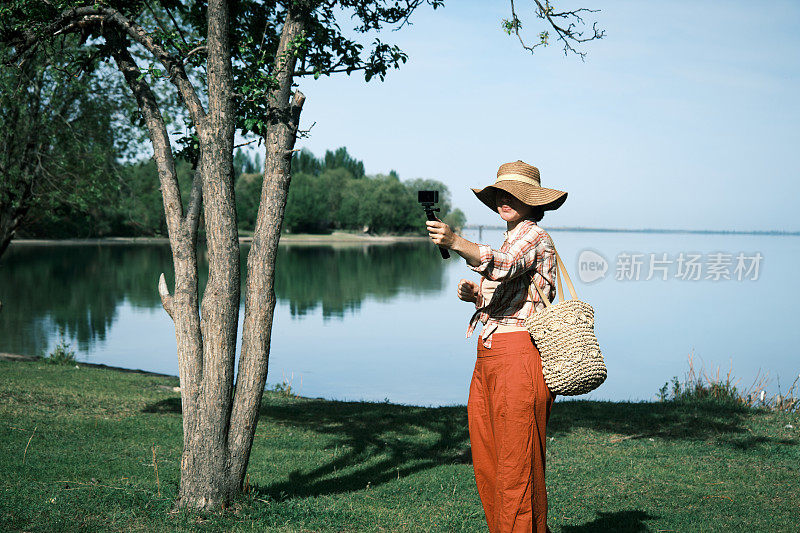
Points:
(527, 250)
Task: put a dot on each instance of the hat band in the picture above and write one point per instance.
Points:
(518, 177)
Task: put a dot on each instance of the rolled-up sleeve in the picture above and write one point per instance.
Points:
(497, 266)
(487, 256)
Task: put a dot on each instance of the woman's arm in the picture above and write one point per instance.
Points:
(520, 257)
(493, 264)
(441, 234)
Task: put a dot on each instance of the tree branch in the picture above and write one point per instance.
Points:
(297, 107)
(566, 35)
(195, 202)
(155, 17)
(162, 151)
(73, 20)
(177, 27)
(247, 143)
(334, 71)
(285, 60)
(166, 298)
(193, 51)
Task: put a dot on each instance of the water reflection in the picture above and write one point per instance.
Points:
(72, 291)
(75, 291)
(384, 322)
(340, 279)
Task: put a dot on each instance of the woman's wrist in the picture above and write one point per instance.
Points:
(456, 242)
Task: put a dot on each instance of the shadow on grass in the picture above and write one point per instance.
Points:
(168, 405)
(666, 420)
(620, 521)
(373, 443)
(379, 441)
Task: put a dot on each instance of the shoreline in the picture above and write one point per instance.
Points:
(769, 404)
(19, 358)
(335, 238)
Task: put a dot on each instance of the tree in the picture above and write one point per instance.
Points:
(137, 208)
(327, 195)
(248, 195)
(456, 219)
(233, 66)
(304, 161)
(244, 164)
(307, 206)
(57, 145)
(341, 159)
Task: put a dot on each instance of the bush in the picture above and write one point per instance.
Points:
(61, 355)
(702, 389)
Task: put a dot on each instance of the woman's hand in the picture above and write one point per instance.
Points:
(468, 290)
(441, 234)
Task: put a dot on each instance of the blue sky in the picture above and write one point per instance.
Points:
(685, 115)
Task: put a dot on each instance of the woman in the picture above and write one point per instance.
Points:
(509, 402)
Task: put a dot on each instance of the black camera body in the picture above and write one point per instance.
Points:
(428, 199)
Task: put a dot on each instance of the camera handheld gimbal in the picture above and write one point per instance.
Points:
(428, 199)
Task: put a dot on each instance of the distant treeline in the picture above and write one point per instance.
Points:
(333, 192)
(328, 193)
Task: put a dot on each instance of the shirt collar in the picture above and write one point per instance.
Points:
(510, 235)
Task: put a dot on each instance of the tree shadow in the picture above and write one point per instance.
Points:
(620, 522)
(404, 439)
(666, 420)
(165, 406)
(373, 443)
(669, 420)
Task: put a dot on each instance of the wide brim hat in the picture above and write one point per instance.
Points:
(523, 182)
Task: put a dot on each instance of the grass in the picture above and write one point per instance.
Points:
(87, 449)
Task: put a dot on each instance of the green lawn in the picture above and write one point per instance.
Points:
(77, 455)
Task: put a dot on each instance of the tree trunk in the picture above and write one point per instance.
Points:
(259, 305)
(10, 219)
(204, 466)
(19, 160)
(182, 230)
(18, 196)
(218, 425)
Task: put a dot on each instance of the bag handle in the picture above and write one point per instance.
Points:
(559, 267)
(546, 302)
(566, 275)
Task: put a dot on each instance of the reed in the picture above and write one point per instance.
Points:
(702, 385)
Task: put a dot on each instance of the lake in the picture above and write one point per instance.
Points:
(382, 322)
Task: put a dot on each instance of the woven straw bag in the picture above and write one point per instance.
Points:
(572, 363)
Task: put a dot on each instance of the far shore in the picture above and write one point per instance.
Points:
(337, 238)
(341, 239)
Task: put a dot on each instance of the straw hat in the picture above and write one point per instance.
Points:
(522, 181)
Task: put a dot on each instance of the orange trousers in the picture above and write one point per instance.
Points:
(508, 408)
